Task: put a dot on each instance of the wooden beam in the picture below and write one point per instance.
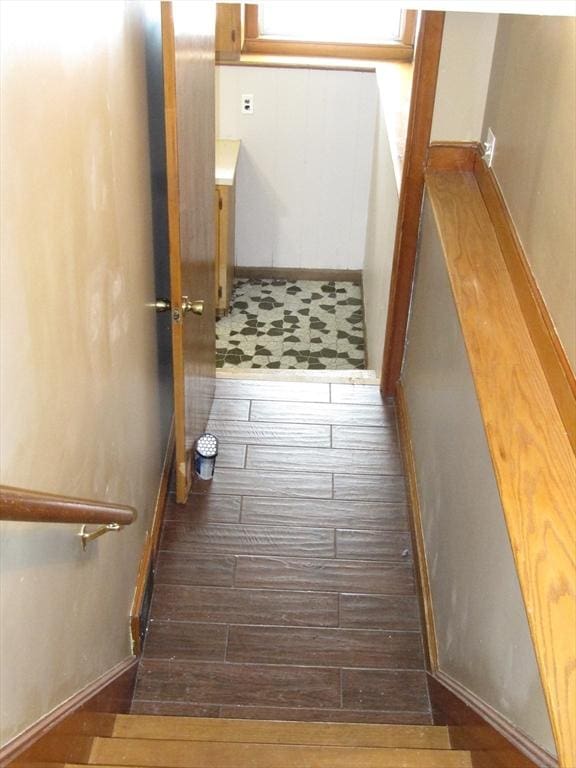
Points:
(426, 63)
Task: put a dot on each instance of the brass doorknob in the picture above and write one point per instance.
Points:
(162, 305)
(196, 307)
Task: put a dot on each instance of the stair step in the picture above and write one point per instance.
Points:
(152, 753)
(275, 732)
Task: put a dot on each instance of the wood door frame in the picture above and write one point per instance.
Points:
(426, 64)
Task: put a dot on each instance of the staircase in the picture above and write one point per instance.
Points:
(185, 742)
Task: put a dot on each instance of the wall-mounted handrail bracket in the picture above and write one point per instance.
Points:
(87, 536)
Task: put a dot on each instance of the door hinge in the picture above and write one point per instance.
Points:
(219, 291)
(219, 202)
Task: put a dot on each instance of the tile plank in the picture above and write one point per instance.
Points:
(323, 413)
(184, 640)
(289, 391)
(358, 394)
(325, 575)
(204, 508)
(225, 683)
(173, 708)
(248, 539)
(377, 688)
(259, 483)
(244, 606)
(373, 545)
(364, 438)
(180, 568)
(325, 647)
(270, 433)
(231, 455)
(230, 410)
(324, 460)
(330, 513)
(325, 715)
(389, 488)
(379, 612)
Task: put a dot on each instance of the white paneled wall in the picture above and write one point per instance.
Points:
(305, 166)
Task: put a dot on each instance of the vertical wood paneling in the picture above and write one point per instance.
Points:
(304, 173)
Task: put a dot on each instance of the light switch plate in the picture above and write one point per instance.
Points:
(247, 103)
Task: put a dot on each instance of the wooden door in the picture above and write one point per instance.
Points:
(188, 61)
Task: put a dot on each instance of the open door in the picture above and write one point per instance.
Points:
(188, 63)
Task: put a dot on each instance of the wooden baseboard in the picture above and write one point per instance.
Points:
(145, 578)
(452, 155)
(112, 692)
(478, 727)
(416, 530)
(295, 273)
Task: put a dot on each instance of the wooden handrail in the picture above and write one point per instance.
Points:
(24, 506)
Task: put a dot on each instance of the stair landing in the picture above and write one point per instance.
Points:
(285, 588)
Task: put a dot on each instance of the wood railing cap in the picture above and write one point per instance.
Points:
(18, 504)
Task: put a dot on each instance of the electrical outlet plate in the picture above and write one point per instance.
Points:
(489, 147)
(247, 104)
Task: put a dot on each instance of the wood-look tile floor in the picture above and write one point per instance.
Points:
(285, 588)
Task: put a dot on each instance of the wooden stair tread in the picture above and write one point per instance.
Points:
(186, 754)
(278, 732)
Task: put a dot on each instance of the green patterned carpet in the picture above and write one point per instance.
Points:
(292, 324)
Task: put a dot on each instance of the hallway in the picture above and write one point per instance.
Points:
(285, 588)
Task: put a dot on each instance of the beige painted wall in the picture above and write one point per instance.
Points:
(463, 76)
(79, 394)
(482, 631)
(531, 108)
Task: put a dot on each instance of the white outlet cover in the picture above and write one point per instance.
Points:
(489, 147)
(248, 103)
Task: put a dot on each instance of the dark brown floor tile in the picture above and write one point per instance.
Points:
(236, 410)
(173, 708)
(244, 606)
(205, 570)
(384, 689)
(365, 438)
(248, 539)
(183, 640)
(253, 684)
(231, 455)
(325, 575)
(325, 647)
(323, 413)
(253, 482)
(389, 488)
(205, 509)
(264, 433)
(329, 513)
(327, 715)
(269, 457)
(379, 612)
(364, 394)
(289, 391)
(373, 545)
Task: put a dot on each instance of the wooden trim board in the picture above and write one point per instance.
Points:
(426, 62)
(476, 726)
(296, 273)
(144, 579)
(559, 374)
(417, 531)
(112, 692)
(534, 464)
